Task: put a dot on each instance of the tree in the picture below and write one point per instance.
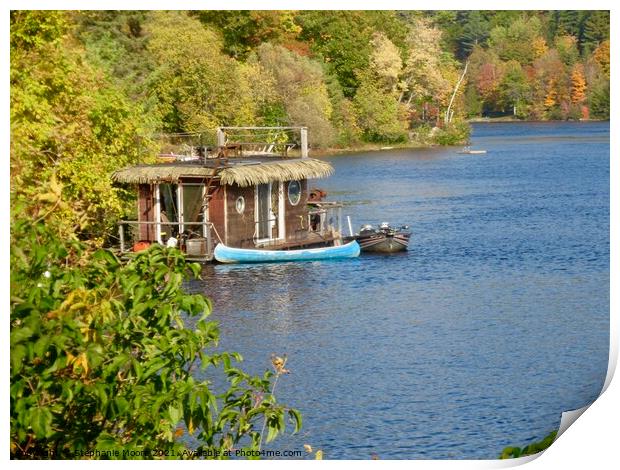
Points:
(193, 82)
(578, 85)
(301, 88)
(244, 30)
(342, 39)
(514, 89)
(475, 31)
(102, 360)
(422, 78)
(514, 42)
(601, 56)
(599, 101)
(379, 113)
(567, 48)
(68, 118)
(595, 30)
(385, 61)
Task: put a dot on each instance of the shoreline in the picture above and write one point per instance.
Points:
(331, 152)
(367, 147)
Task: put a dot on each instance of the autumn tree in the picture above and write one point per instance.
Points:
(385, 61)
(514, 42)
(578, 85)
(422, 79)
(601, 56)
(194, 83)
(245, 30)
(301, 88)
(69, 120)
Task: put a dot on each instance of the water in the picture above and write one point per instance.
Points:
(494, 322)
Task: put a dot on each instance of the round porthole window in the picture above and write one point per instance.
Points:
(294, 192)
(240, 204)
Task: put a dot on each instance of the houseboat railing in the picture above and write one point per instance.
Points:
(198, 244)
(325, 217)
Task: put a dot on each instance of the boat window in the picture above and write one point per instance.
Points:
(240, 204)
(294, 192)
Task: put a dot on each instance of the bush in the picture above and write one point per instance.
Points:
(454, 133)
(533, 448)
(101, 359)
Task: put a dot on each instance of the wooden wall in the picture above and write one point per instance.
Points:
(146, 212)
(240, 227)
(296, 217)
(217, 213)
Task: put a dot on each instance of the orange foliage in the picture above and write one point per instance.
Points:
(578, 85)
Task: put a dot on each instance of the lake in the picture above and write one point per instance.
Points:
(494, 322)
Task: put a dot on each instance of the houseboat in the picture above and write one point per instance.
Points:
(247, 195)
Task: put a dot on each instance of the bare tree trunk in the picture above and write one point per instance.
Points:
(448, 117)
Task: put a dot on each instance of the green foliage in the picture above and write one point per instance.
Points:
(599, 101)
(514, 42)
(68, 119)
(378, 113)
(103, 357)
(530, 449)
(301, 88)
(31, 29)
(245, 30)
(454, 133)
(343, 39)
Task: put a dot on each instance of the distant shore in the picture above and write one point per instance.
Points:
(330, 152)
(514, 119)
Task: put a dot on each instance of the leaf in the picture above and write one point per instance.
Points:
(18, 354)
(20, 334)
(175, 413)
(41, 422)
(296, 417)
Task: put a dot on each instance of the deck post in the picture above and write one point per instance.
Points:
(121, 236)
(221, 137)
(209, 241)
(304, 142)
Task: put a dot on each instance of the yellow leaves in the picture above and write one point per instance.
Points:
(318, 455)
(601, 56)
(539, 47)
(578, 85)
(78, 363)
(278, 364)
(190, 427)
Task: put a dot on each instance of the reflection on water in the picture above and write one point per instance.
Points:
(493, 323)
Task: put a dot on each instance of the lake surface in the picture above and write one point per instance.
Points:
(493, 323)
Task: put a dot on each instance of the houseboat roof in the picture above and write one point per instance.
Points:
(241, 172)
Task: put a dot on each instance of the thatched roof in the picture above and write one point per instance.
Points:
(242, 174)
(283, 170)
(164, 173)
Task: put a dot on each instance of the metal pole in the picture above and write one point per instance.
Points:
(350, 228)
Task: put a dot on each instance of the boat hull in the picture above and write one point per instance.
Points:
(226, 254)
(381, 243)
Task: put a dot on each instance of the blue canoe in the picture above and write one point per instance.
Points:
(226, 254)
